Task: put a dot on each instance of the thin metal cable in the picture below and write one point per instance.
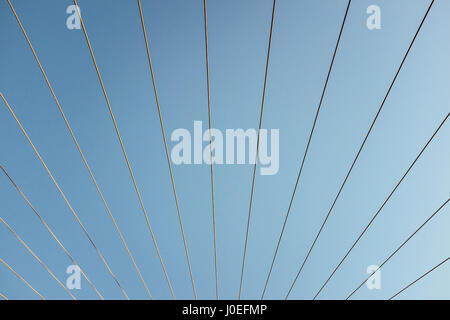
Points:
(3, 297)
(24, 281)
(36, 257)
(81, 152)
(401, 246)
(257, 148)
(418, 279)
(166, 149)
(360, 148)
(64, 196)
(49, 230)
(123, 147)
(307, 148)
(382, 206)
(210, 146)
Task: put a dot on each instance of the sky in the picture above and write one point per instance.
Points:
(304, 36)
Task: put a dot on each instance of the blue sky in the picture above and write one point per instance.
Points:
(304, 36)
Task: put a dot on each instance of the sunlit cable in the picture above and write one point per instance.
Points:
(64, 196)
(81, 152)
(36, 257)
(257, 148)
(210, 147)
(166, 149)
(23, 280)
(147, 219)
(49, 230)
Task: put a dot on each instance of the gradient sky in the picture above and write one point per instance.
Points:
(304, 36)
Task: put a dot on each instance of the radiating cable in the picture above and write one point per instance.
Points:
(147, 219)
(49, 230)
(36, 257)
(382, 206)
(398, 249)
(80, 151)
(307, 148)
(360, 148)
(210, 147)
(420, 278)
(257, 148)
(23, 280)
(166, 149)
(64, 197)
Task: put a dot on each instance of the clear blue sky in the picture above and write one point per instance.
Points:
(304, 36)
